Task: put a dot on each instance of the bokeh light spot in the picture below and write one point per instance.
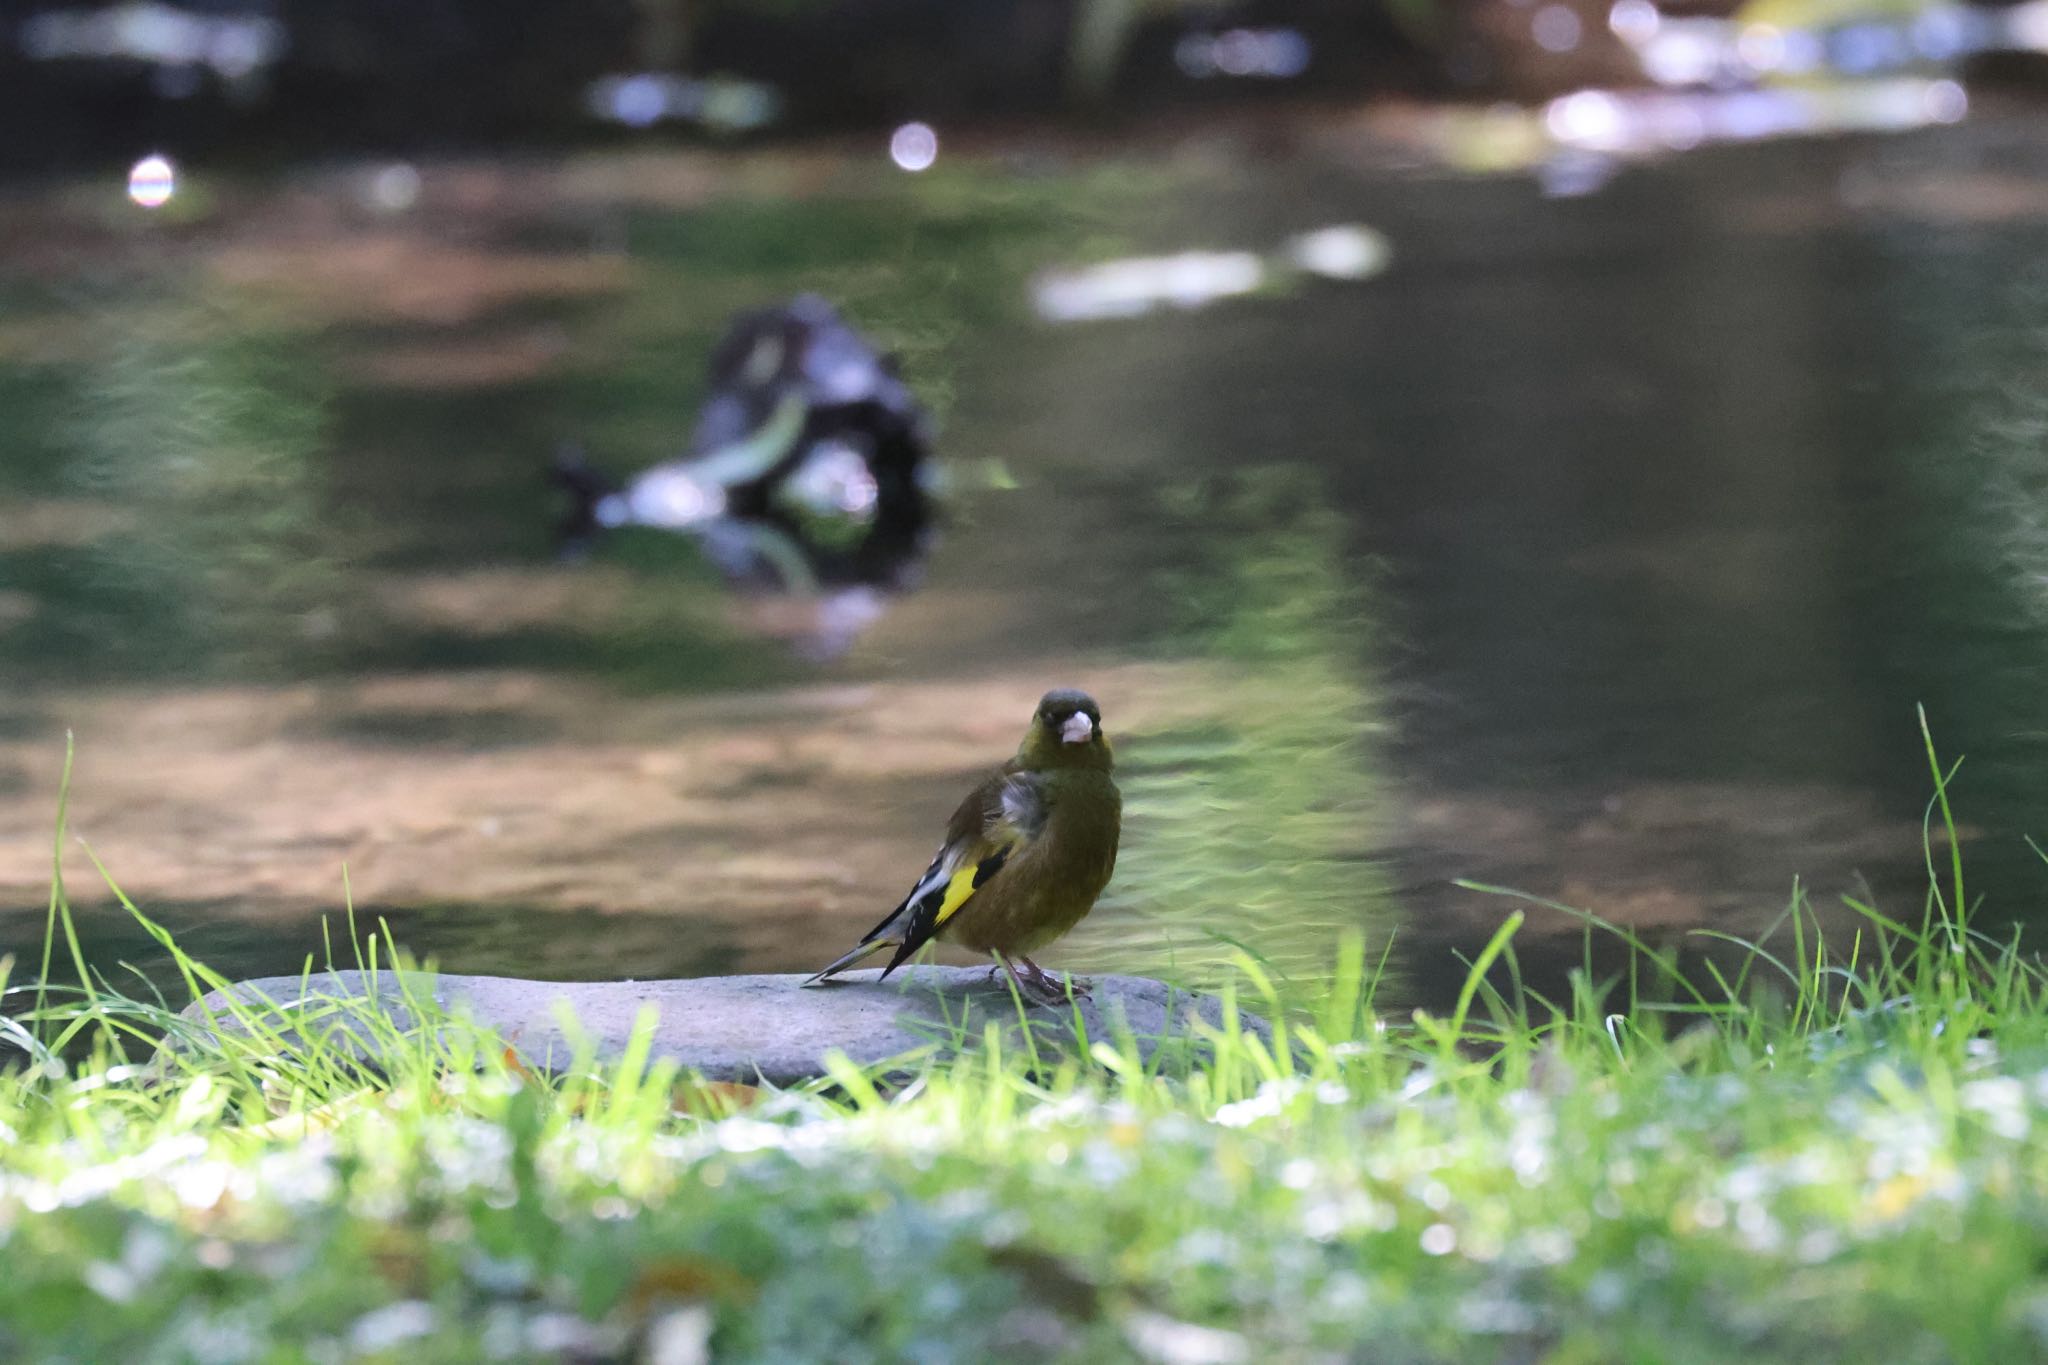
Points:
(152, 181)
(1946, 102)
(914, 147)
(1634, 21)
(396, 187)
(1555, 29)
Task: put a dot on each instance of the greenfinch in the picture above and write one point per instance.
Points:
(1025, 855)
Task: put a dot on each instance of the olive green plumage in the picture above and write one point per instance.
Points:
(1025, 855)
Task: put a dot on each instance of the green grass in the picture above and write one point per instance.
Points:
(1824, 1151)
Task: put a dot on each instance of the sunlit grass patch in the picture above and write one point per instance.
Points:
(1826, 1151)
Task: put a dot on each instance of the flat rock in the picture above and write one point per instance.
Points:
(749, 1028)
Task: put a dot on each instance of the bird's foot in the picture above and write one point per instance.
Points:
(1033, 986)
(1051, 989)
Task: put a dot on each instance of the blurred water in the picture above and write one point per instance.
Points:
(1603, 547)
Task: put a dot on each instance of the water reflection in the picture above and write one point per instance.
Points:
(808, 471)
(1600, 546)
(1251, 825)
(1137, 285)
(201, 437)
(1964, 515)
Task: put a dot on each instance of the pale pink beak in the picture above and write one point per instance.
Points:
(1078, 729)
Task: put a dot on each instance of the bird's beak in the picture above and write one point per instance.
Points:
(1078, 729)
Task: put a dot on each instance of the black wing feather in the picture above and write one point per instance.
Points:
(915, 919)
(871, 935)
(924, 917)
(989, 866)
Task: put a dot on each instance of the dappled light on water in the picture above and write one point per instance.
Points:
(1448, 549)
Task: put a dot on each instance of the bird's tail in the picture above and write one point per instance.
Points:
(586, 489)
(862, 951)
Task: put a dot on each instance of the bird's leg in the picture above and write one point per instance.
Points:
(1028, 988)
(1050, 986)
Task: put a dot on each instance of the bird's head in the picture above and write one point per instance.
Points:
(1066, 732)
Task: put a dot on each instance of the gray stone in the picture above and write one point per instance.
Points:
(752, 1028)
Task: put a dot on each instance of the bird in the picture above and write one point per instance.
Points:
(1025, 855)
(810, 461)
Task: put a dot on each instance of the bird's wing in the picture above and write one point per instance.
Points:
(998, 820)
(963, 835)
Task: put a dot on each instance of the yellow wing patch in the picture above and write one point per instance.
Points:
(958, 891)
(962, 885)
